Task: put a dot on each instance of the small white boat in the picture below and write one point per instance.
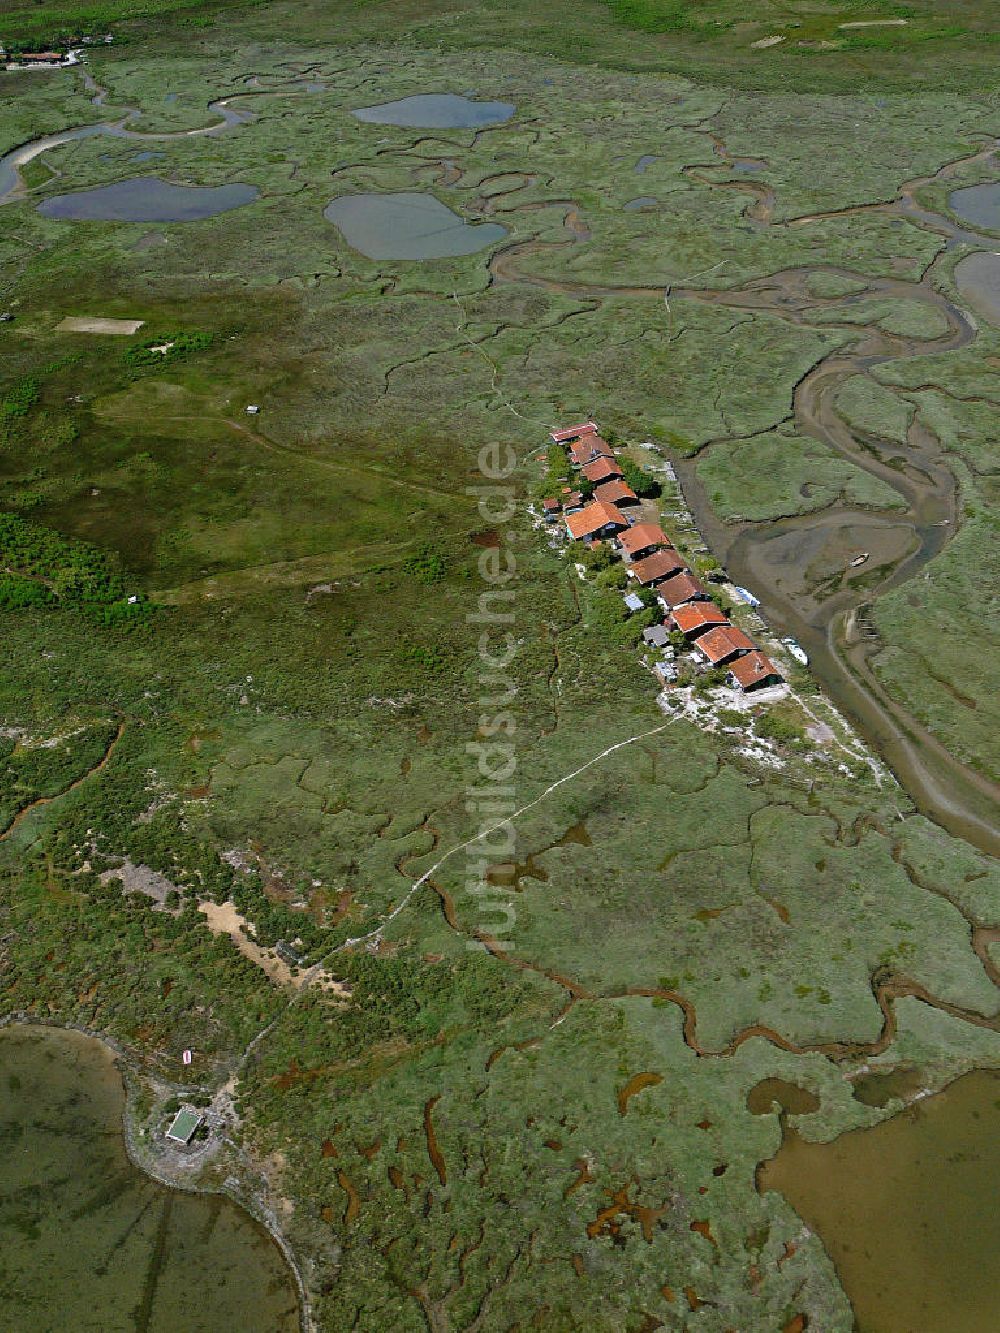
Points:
(859, 559)
(745, 595)
(796, 650)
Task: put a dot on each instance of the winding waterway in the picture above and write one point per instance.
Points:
(87, 1240)
(767, 556)
(11, 183)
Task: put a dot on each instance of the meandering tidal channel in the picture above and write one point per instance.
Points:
(771, 556)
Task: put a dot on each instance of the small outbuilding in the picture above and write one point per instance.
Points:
(601, 469)
(616, 492)
(653, 569)
(185, 1125)
(694, 618)
(588, 448)
(573, 432)
(656, 636)
(678, 589)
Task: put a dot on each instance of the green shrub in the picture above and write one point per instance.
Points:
(179, 346)
(644, 484)
(19, 398)
(778, 727)
(731, 717)
(428, 563)
(44, 568)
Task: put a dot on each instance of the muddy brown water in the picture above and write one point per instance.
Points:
(880, 1087)
(87, 1240)
(908, 1210)
(776, 1093)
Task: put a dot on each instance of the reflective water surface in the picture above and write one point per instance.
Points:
(148, 199)
(436, 111)
(407, 226)
(90, 1242)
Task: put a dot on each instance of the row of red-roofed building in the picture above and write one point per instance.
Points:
(652, 560)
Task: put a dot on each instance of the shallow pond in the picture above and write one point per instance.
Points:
(644, 201)
(645, 161)
(772, 1093)
(907, 1210)
(407, 226)
(978, 204)
(436, 111)
(148, 199)
(978, 280)
(91, 1242)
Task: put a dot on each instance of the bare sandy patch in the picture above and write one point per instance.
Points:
(875, 23)
(119, 327)
(141, 879)
(224, 919)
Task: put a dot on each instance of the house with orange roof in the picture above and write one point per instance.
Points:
(641, 539)
(694, 618)
(597, 519)
(587, 448)
(573, 432)
(601, 469)
(616, 492)
(654, 568)
(681, 588)
(753, 671)
(723, 643)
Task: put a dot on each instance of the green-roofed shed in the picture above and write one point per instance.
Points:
(184, 1124)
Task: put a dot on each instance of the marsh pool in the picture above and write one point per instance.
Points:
(436, 111)
(907, 1210)
(407, 226)
(148, 199)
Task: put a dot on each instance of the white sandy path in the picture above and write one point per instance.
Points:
(501, 823)
(317, 971)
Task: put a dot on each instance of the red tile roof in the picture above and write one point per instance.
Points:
(589, 447)
(642, 537)
(660, 565)
(572, 432)
(601, 469)
(615, 491)
(723, 642)
(572, 500)
(693, 617)
(551, 506)
(753, 669)
(593, 518)
(680, 589)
